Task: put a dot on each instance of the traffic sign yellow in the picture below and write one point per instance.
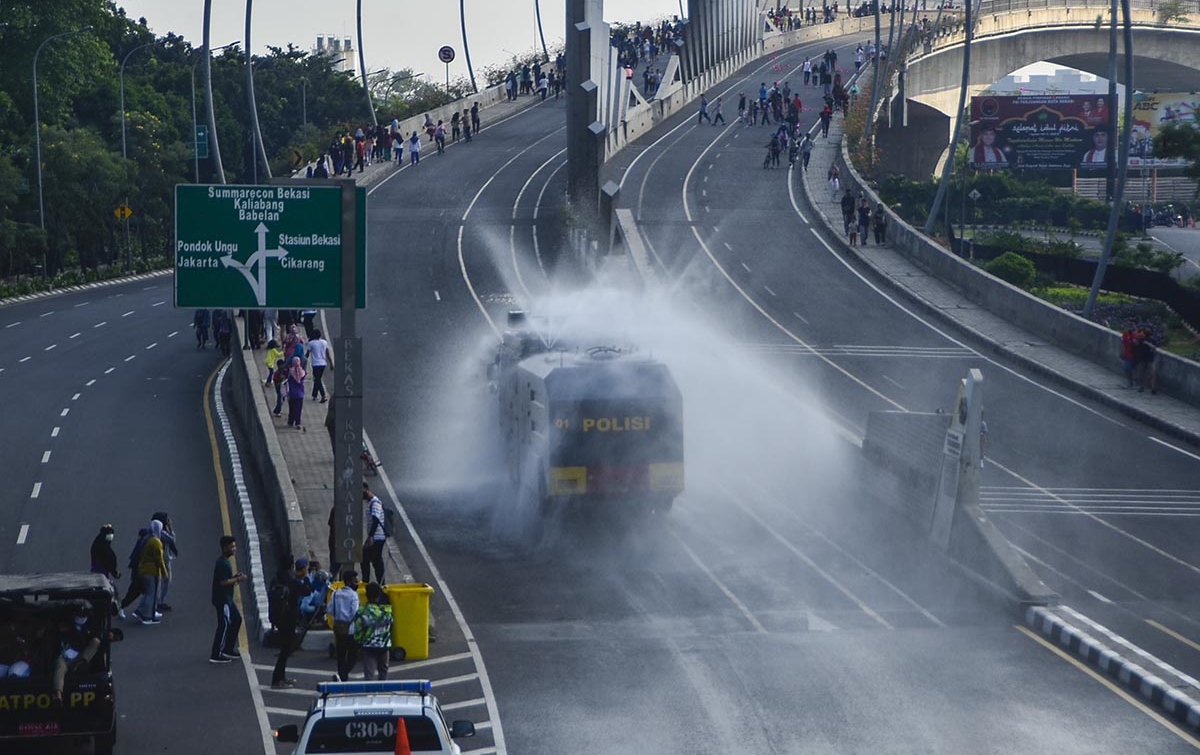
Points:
(123, 211)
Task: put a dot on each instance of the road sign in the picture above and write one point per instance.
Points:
(201, 143)
(263, 246)
(446, 54)
(123, 211)
(974, 195)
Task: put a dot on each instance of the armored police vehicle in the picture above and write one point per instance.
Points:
(586, 423)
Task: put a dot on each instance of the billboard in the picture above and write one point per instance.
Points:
(1039, 132)
(1150, 113)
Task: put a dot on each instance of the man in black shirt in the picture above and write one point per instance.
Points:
(229, 621)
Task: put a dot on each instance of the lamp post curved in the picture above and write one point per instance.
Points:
(214, 146)
(195, 146)
(537, 9)
(462, 20)
(260, 152)
(37, 124)
(362, 66)
(124, 154)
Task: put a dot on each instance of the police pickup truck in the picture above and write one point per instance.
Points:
(373, 717)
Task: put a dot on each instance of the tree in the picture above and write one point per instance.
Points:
(1180, 140)
(1173, 10)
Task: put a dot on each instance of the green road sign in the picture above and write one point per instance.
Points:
(201, 144)
(264, 246)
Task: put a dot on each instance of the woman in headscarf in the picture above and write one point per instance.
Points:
(152, 567)
(295, 392)
(289, 343)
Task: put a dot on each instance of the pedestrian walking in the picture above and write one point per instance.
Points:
(283, 603)
(879, 221)
(455, 127)
(295, 393)
(847, 204)
(223, 330)
(372, 630)
(864, 219)
(229, 620)
(439, 136)
(104, 559)
(716, 112)
(318, 351)
(1128, 357)
(342, 607)
(475, 117)
(134, 591)
(170, 553)
(414, 149)
(703, 111)
(152, 567)
(377, 535)
(806, 149)
(543, 88)
(1145, 351)
(826, 119)
(834, 177)
(201, 319)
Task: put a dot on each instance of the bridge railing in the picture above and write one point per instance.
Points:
(1008, 6)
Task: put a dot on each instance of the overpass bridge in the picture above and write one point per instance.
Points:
(1010, 34)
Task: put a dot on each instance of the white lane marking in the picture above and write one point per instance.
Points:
(800, 317)
(100, 324)
(768, 290)
(12, 325)
(127, 314)
(462, 262)
(151, 346)
(65, 412)
(745, 610)
(727, 246)
(446, 682)
(82, 304)
(110, 369)
(289, 711)
(706, 179)
(46, 314)
(1098, 596)
(131, 357)
(468, 636)
(75, 335)
(704, 192)
(650, 167)
(436, 295)
(537, 205)
(23, 534)
(1119, 640)
(24, 360)
(795, 550)
(90, 383)
(45, 457)
(792, 196)
(149, 288)
(54, 432)
(745, 267)
(37, 490)
(1173, 448)
(51, 347)
(893, 382)
(76, 396)
(158, 304)
(458, 705)
(173, 334)
(512, 228)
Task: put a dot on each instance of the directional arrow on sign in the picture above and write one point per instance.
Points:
(258, 283)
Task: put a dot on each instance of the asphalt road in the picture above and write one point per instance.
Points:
(779, 608)
(104, 423)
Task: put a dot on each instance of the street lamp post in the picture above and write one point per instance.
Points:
(387, 94)
(37, 124)
(362, 65)
(367, 89)
(124, 154)
(195, 146)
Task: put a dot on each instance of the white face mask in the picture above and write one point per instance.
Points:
(109, 537)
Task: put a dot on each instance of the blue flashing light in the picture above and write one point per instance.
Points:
(419, 686)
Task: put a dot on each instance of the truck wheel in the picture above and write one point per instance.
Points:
(103, 743)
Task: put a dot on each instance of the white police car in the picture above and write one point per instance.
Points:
(371, 717)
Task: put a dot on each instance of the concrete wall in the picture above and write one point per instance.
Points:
(909, 445)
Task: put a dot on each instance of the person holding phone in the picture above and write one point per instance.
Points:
(229, 620)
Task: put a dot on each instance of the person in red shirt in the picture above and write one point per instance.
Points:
(1128, 360)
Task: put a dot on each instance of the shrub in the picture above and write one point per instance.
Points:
(1013, 268)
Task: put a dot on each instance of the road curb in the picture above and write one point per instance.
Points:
(86, 287)
(1155, 690)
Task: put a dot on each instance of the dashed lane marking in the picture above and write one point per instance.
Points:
(75, 335)
(12, 324)
(65, 412)
(290, 712)
(82, 304)
(479, 701)
(127, 314)
(51, 347)
(23, 361)
(100, 324)
(1173, 634)
(800, 317)
(746, 267)
(1174, 448)
(768, 290)
(45, 457)
(173, 334)
(131, 357)
(727, 246)
(893, 382)
(37, 490)
(158, 304)
(110, 369)
(23, 534)
(46, 314)
(455, 680)
(1098, 596)
(54, 432)
(436, 295)
(151, 346)
(76, 396)
(90, 383)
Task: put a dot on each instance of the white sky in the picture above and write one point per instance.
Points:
(396, 33)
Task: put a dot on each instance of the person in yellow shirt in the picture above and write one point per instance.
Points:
(152, 566)
(274, 359)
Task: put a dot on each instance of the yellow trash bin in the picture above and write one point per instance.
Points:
(410, 618)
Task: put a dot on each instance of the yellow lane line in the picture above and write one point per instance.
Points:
(1112, 686)
(1173, 634)
(223, 501)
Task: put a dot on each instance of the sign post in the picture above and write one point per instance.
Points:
(201, 142)
(446, 55)
(348, 438)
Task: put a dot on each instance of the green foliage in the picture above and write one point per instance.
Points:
(1180, 140)
(1145, 256)
(1013, 268)
(1172, 10)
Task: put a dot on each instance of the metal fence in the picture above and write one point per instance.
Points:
(1006, 6)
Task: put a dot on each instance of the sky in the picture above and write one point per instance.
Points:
(396, 34)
